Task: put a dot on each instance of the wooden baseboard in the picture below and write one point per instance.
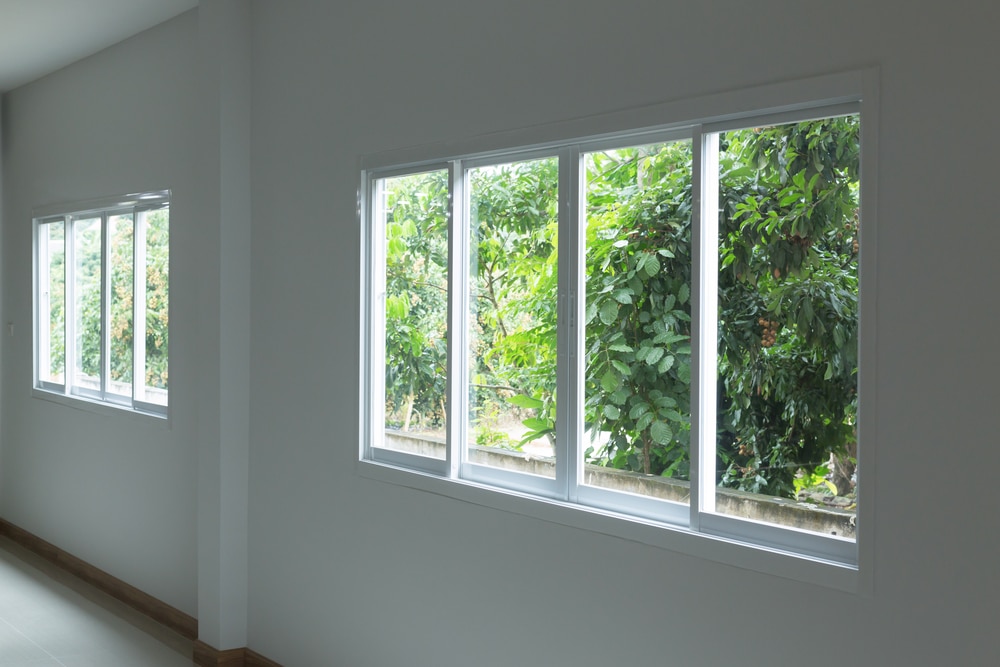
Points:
(159, 611)
(206, 656)
(254, 659)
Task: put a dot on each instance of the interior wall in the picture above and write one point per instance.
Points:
(345, 570)
(118, 490)
(2, 279)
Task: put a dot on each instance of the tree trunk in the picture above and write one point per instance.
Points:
(409, 411)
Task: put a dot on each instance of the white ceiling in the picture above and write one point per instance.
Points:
(41, 36)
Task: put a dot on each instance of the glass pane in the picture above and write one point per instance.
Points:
(413, 214)
(87, 303)
(121, 253)
(52, 303)
(512, 315)
(788, 324)
(637, 401)
(156, 225)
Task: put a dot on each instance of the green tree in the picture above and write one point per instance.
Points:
(416, 241)
(87, 276)
(514, 210)
(787, 300)
(157, 292)
(638, 307)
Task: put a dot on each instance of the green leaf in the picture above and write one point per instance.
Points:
(396, 246)
(672, 415)
(665, 402)
(684, 293)
(666, 364)
(668, 339)
(644, 421)
(621, 367)
(622, 296)
(609, 312)
(655, 354)
(652, 265)
(612, 412)
(536, 424)
(619, 397)
(638, 410)
(684, 373)
(620, 347)
(522, 401)
(533, 435)
(610, 381)
(660, 433)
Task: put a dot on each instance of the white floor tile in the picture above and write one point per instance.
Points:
(50, 619)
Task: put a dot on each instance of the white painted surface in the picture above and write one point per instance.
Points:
(40, 36)
(116, 489)
(347, 570)
(224, 27)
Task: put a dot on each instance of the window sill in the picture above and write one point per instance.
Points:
(743, 555)
(104, 408)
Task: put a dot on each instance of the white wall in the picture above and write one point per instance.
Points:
(118, 491)
(348, 571)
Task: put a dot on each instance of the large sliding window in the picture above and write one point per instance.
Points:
(660, 324)
(102, 302)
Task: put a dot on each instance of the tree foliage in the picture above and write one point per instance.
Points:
(416, 297)
(87, 276)
(787, 357)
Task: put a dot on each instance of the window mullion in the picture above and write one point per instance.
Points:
(569, 365)
(138, 306)
(705, 276)
(105, 305)
(69, 306)
(375, 194)
(43, 300)
(458, 317)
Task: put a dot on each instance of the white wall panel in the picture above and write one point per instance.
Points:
(346, 570)
(119, 491)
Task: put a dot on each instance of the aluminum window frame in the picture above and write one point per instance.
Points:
(827, 560)
(136, 205)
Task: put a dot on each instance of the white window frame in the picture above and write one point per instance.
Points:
(104, 209)
(693, 529)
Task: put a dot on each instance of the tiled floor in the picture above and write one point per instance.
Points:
(50, 619)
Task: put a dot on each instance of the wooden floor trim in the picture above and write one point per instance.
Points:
(206, 656)
(159, 611)
(254, 659)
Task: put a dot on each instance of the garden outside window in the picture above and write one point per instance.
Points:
(660, 324)
(102, 304)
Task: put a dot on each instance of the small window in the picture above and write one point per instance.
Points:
(662, 324)
(102, 302)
